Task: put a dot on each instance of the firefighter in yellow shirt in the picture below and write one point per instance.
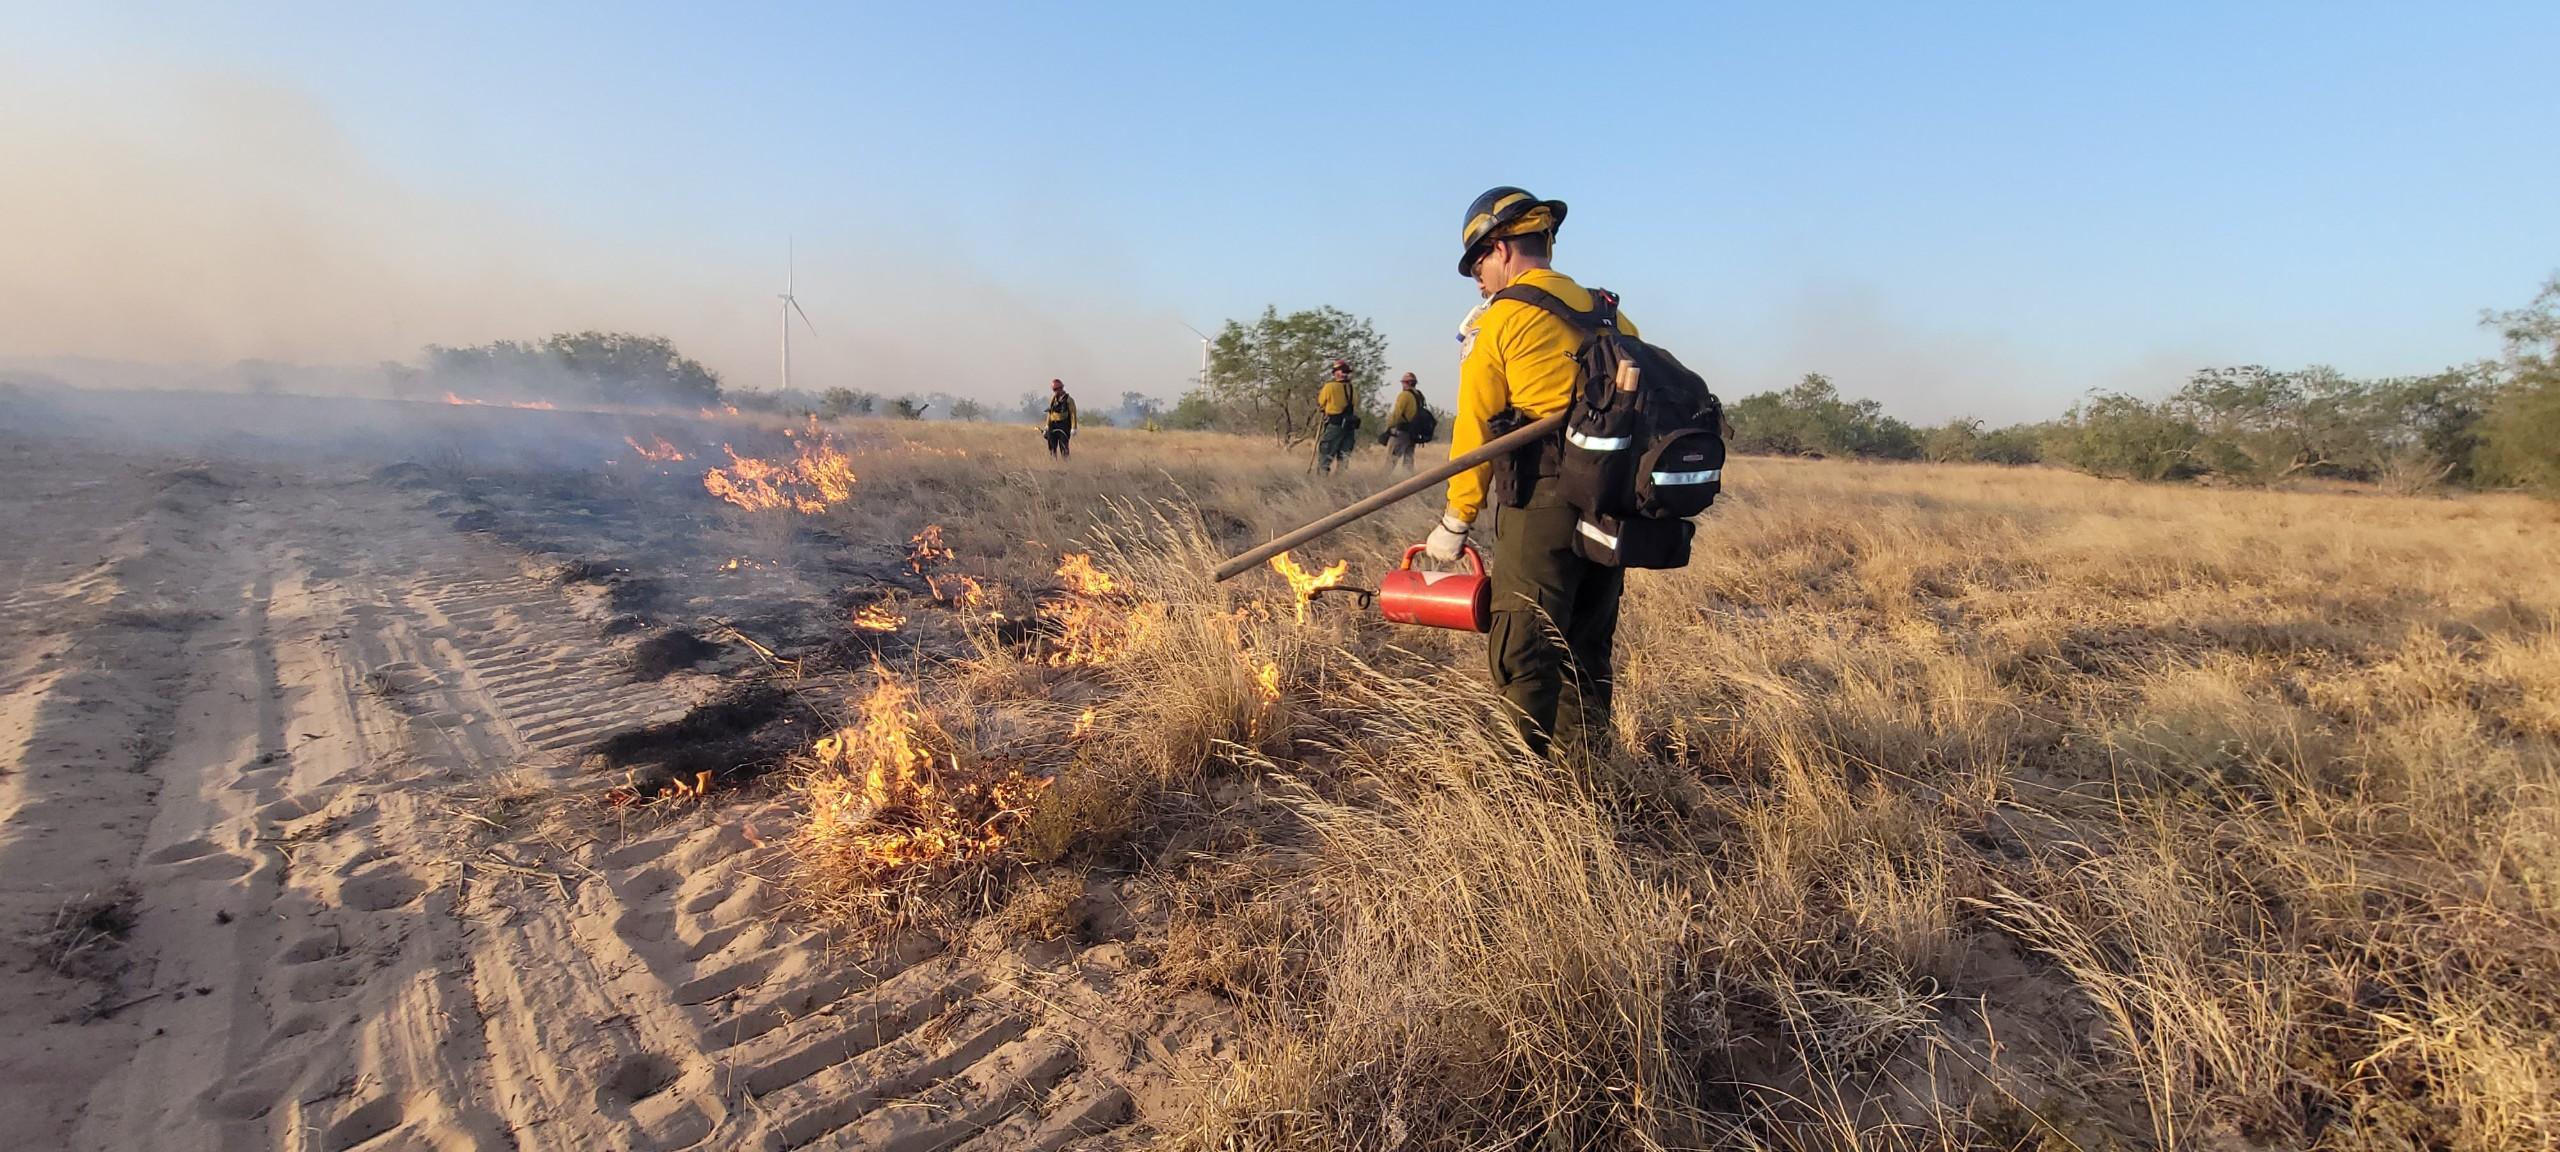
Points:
(1402, 430)
(1059, 429)
(1555, 614)
(1341, 420)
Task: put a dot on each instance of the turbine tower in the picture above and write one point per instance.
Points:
(1204, 351)
(791, 304)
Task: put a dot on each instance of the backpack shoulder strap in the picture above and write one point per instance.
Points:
(1603, 313)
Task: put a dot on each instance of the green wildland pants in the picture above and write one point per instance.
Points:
(1555, 619)
(1333, 443)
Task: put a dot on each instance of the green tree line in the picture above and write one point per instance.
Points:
(574, 367)
(2491, 424)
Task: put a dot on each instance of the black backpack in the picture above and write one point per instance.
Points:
(1635, 464)
(1423, 425)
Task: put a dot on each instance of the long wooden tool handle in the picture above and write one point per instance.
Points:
(1246, 561)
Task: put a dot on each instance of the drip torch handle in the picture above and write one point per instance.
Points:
(1521, 437)
(1475, 559)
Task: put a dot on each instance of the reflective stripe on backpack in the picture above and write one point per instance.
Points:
(1633, 543)
(1643, 448)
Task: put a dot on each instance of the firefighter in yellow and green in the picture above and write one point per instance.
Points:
(1400, 436)
(1059, 427)
(1555, 614)
(1341, 418)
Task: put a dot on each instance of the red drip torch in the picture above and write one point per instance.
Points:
(1460, 600)
(1410, 595)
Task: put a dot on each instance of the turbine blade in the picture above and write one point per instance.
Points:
(804, 314)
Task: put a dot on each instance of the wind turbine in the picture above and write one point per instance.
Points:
(791, 304)
(1204, 351)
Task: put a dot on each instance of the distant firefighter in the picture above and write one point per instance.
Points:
(1409, 423)
(1341, 418)
(1060, 427)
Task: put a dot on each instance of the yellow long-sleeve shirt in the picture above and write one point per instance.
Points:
(1520, 356)
(1408, 402)
(1335, 399)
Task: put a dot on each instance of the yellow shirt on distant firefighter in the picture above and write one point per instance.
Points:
(1520, 356)
(1335, 399)
(1408, 402)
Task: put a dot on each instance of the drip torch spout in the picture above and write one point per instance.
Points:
(1366, 596)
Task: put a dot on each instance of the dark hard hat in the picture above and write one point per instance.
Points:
(1501, 212)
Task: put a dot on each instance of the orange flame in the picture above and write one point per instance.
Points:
(1304, 586)
(925, 549)
(957, 590)
(1076, 568)
(1089, 629)
(1084, 724)
(878, 618)
(925, 552)
(1267, 679)
(658, 450)
(879, 803)
(819, 478)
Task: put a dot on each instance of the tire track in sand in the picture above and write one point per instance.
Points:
(388, 960)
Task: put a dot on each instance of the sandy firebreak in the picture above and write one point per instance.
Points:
(266, 737)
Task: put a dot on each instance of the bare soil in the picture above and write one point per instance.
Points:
(332, 765)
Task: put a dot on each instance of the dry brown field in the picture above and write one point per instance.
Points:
(403, 776)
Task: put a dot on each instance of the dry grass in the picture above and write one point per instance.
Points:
(1961, 807)
(84, 939)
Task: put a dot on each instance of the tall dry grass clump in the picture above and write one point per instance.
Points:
(2248, 793)
(1491, 968)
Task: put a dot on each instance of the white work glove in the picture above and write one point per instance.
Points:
(1448, 541)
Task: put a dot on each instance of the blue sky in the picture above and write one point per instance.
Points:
(1986, 211)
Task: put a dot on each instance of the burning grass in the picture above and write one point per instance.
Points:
(819, 476)
(895, 824)
(1304, 585)
(1090, 623)
(880, 617)
(658, 451)
(926, 551)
